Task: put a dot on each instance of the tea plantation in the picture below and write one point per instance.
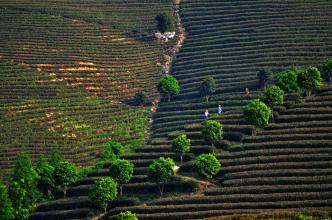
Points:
(69, 71)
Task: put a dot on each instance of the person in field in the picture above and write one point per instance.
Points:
(219, 109)
(206, 114)
(246, 91)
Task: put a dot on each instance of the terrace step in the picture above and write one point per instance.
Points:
(61, 214)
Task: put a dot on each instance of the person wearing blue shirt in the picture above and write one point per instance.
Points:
(219, 109)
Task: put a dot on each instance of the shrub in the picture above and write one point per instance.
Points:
(112, 151)
(168, 86)
(310, 80)
(6, 209)
(166, 22)
(23, 190)
(263, 77)
(207, 88)
(128, 215)
(212, 131)
(207, 165)
(103, 191)
(302, 217)
(273, 96)
(122, 171)
(257, 113)
(287, 80)
(45, 171)
(327, 69)
(141, 99)
(65, 174)
(161, 171)
(181, 145)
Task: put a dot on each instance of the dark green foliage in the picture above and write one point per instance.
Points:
(122, 171)
(257, 113)
(65, 174)
(273, 96)
(6, 209)
(207, 88)
(128, 215)
(45, 172)
(103, 191)
(166, 22)
(264, 77)
(168, 86)
(287, 80)
(302, 217)
(23, 190)
(212, 131)
(112, 151)
(181, 145)
(327, 70)
(207, 165)
(310, 80)
(161, 171)
(141, 99)
(55, 155)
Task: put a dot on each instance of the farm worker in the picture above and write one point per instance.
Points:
(246, 91)
(206, 114)
(219, 109)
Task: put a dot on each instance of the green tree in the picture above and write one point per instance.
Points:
(122, 171)
(207, 88)
(165, 22)
(263, 77)
(207, 165)
(212, 131)
(181, 145)
(128, 215)
(6, 209)
(103, 191)
(45, 171)
(141, 99)
(168, 86)
(257, 113)
(327, 69)
(273, 97)
(161, 171)
(287, 80)
(310, 80)
(112, 151)
(23, 190)
(65, 174)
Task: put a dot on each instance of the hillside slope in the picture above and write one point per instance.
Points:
(68, 70)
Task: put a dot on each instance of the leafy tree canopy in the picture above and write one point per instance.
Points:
(181, 145)
(212, 131)
(122, 171)
(128, 215)
(166, 22)
(112, 151)
(6, 209)
(207, 165)
(310, 79)
(327, 69)
(65, 174)
(103, 191)
(168, 86)
(273, 96)
(287, 80)
(257, 113)
(207, 87)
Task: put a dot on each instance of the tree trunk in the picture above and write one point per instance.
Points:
(206, 98)
(161, 189)
(181, 159)
(120, 186)
(64, 192)
(105, 209)
(169, 97)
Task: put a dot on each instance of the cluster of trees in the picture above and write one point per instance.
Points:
(168, 86)
(259, 111)
(29, 185)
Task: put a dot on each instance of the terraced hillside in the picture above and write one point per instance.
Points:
(286, 166)
(231, 41)
(68, 68)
